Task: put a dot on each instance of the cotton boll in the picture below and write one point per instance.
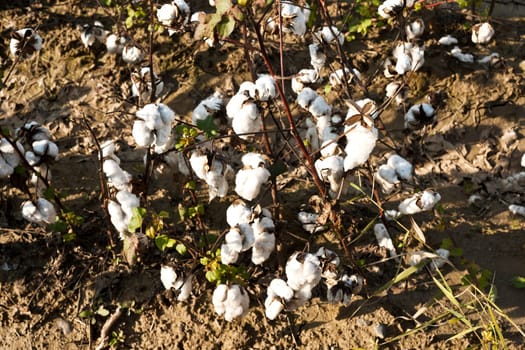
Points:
(92, 33)
(303, 269)
(403, 63)
(142, 135)
(168, 276)
(395, 87)
(402, 167)
(317, 56)
(420, 115)
(281, 289)
(45, 148)
(265, 87)
(306, 97)
(141, 84)
(329, 35)
(219, 297)
(319, 107)
(384, 240)
(248, 182)
(25, 42)
(439, 263)
(482, 33)
(361, 142)
(303, 78)
(199, 162)
(329, 263)
(463, 57)
(447, 40)
(489, 59)
(391, 8)
(253, 160)
(132, 54)
(232, 301)
(368, 108)
(115, 44)
(331, 170)
(417, 57)
(40, 211)
(415, 29)
(419, 202)
(32, 158)
(207, 107)
(293, 19)
(118, 218)
(9, 158)
(517, 209)
(309, 222)
(273, 307)
(166, 14)
(229, 255)
(387, 178)
(238, 213)
(263, 247)
(128, 201)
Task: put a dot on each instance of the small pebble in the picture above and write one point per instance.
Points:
(64, 325)
(380, 330)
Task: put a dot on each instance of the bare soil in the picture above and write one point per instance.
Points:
(45, 284)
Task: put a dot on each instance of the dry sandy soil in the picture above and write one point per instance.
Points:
(45, 284)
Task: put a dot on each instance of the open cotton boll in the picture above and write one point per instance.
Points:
(395, 87)
(306, 97)
(417, 57)
(219, 297)
(115, 44)
(248, 182)
(309, 222)
(403, 63)
(207, 107)
(384, 240)
(329, 35)
(329, 263)
(142, 134)
(402, 167)
(415, 29)
(25, 42)
(265, 87)
(217, 179)
(238, 213)
(293, 19)
(229, 255)
(387, 178)
(368, 107)
(489, 59)
(118, 218)
(141, 84)
(117, 177)
(253, 160)
(331, 170)
(517, 209)
(463, 57)
(280, 288)
(482, 33)
(360, 144)
(32, 158)
(128, 202)
(439, 263)
(317, 56)
(230, 301)
(92, 33)
(303, 78)
(45, 148)
(132, 54)
(166, 14)
(263, 246)
(303, 269)
(447, 40)
(437, 259)
(419, 202)
(40, 211)
(9, 158)
(168, 276)
(319, 107)
(420, 115)
(199, 162)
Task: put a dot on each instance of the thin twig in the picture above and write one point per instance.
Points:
(106, 329)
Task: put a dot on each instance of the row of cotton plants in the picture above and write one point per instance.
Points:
(341, 139)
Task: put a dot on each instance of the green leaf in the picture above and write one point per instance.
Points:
(213, 276)
(164, 214)
(518, 282)
(107, 2)
(226, 26)
(208, 126)
(136, 220)
(85, 314)
(59, 226)
(102, 311)
(181, 249)
(129, 22)
(163, 242)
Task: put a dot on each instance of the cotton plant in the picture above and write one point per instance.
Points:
(92, 33)
(209, 106)
(141, 85)
(254, 174)
(361, 135)
(177, 281)
(482, 33)
(174, 16)
(419, 115)
(25, 42)
(154, 127)
(214, 171)
(232, 301)
(39, 211)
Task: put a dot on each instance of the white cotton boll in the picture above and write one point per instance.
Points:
(219, 297)
(263, 247)
(303, 269)
(523, 160)
(110, 167)
(45, 148)
(361, 143)
(447, 40)
(141, 84)
(236, 304)
(238, 213)
(294, 18)
(419, 115)
(132, 54)
(307, 218)
(281, 289)
(319, 107)
(234, 239)
(403, 63)
(306, 97)
(216, 178)
(229, 254)
(273, 307)
(253, 160)
(517, 209)
(488, 59)
(383, 239)
(247, 88)
(303, 78)
(329, 35)
(419, 202)
(115, 44)
(391, 8)
(142, 135)
(317, 56)
(463, 57)
(331, 170)
(166, 14)
(25, 42)
(207, 107)
(417, 57)
(482, 33)
(32, 158)
(387, 178)
(108, 150)
(438, 263)
(265, 87)
(391, 90)
(185, 289)
(41, 211)
(248, 182)
(199, 164)
(117, 217)
(244, 125)
(168, 276)
(402, 167)
(128, 201)
(367, 106)
(235, 104)
(415, 29)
